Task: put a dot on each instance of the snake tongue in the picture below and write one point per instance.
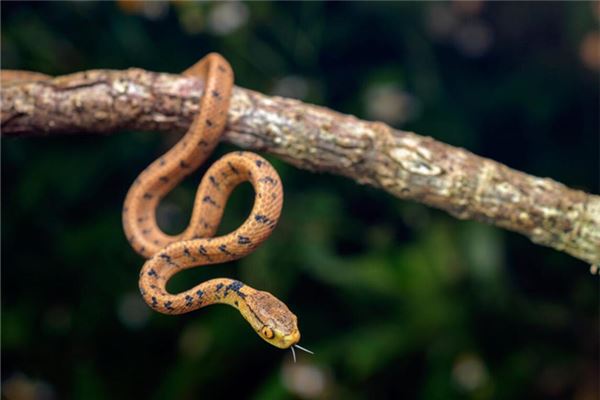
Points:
(303, 349)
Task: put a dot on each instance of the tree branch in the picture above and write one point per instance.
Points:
(407, 165)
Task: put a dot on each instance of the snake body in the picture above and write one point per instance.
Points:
(197, 246)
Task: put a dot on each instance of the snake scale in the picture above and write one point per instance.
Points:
(197, 245)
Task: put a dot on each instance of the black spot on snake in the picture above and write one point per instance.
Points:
(259, 163)
(214, 181)
(183, 164)
(169, 260)
(202, 250)
(268, 179)
(233, 169)
(189, 300)
(209, 123)
(262, 219)
(202, 143)
(147, 196)
(235, 286)
(168, 305)
(199, 293)
(208, 199)
(219, 286)
(187, 253)
(152, 272)
(154, 301)
(243, 239)
(164, 179)
(223, 249)
(215, 93)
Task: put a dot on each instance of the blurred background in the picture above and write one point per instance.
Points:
(396, 299)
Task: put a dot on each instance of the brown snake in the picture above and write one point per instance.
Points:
(167, 255)
(197, 245)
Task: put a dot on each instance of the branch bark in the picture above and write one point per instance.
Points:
(407, 165)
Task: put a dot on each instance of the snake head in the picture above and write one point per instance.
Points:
(272, 320)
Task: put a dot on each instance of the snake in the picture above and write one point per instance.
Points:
(197, 245)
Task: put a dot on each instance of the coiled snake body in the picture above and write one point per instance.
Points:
(196, 246)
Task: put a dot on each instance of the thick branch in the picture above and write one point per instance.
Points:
(404, 164)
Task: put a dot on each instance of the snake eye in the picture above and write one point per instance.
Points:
(267, 332)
